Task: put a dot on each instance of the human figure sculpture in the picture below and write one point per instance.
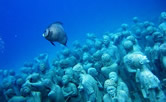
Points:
(134, 60)
(41, 63)
(149, 85)
(93, 72)
(162, 49)
(121, 86)
(106, 41)
(128, 46)
(55, 92)
(108, 65)
(69, 90)
(117, 90)
(110, 87)
(88, 85)
(111, 94)
(34, 97)
(45, 86)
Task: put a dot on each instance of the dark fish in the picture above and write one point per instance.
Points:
(55, 33)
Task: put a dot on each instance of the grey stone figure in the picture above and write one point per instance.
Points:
(69, 90)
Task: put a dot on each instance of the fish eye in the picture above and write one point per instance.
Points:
(46, 33)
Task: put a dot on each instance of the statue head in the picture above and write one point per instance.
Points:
(106, 40)
(93, 72)
(65, 79)
(109, 82)
(113, 76)
(111, 90)
(128, 45)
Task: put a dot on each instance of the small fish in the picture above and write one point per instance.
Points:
(55, 33)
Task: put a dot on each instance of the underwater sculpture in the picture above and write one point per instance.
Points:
(126, 66)
(110, 96)
(115, 92)
(108, 65)
(55, 33)
(88, 85)
(70, 90)
(149, 85)
(163, 55)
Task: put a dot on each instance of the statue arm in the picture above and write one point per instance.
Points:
(66, 94)
(37, 85)
(131, 70)
(137, 75)
(74, 89)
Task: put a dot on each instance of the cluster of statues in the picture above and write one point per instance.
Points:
(126, 66)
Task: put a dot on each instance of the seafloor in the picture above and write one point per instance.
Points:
(125, 66)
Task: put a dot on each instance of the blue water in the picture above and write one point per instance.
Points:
(22, 23)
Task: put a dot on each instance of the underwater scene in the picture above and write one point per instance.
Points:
(83, 51)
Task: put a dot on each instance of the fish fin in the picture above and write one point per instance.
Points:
(65, 44)
(52, 43)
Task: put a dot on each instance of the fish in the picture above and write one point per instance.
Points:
(55, 33)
